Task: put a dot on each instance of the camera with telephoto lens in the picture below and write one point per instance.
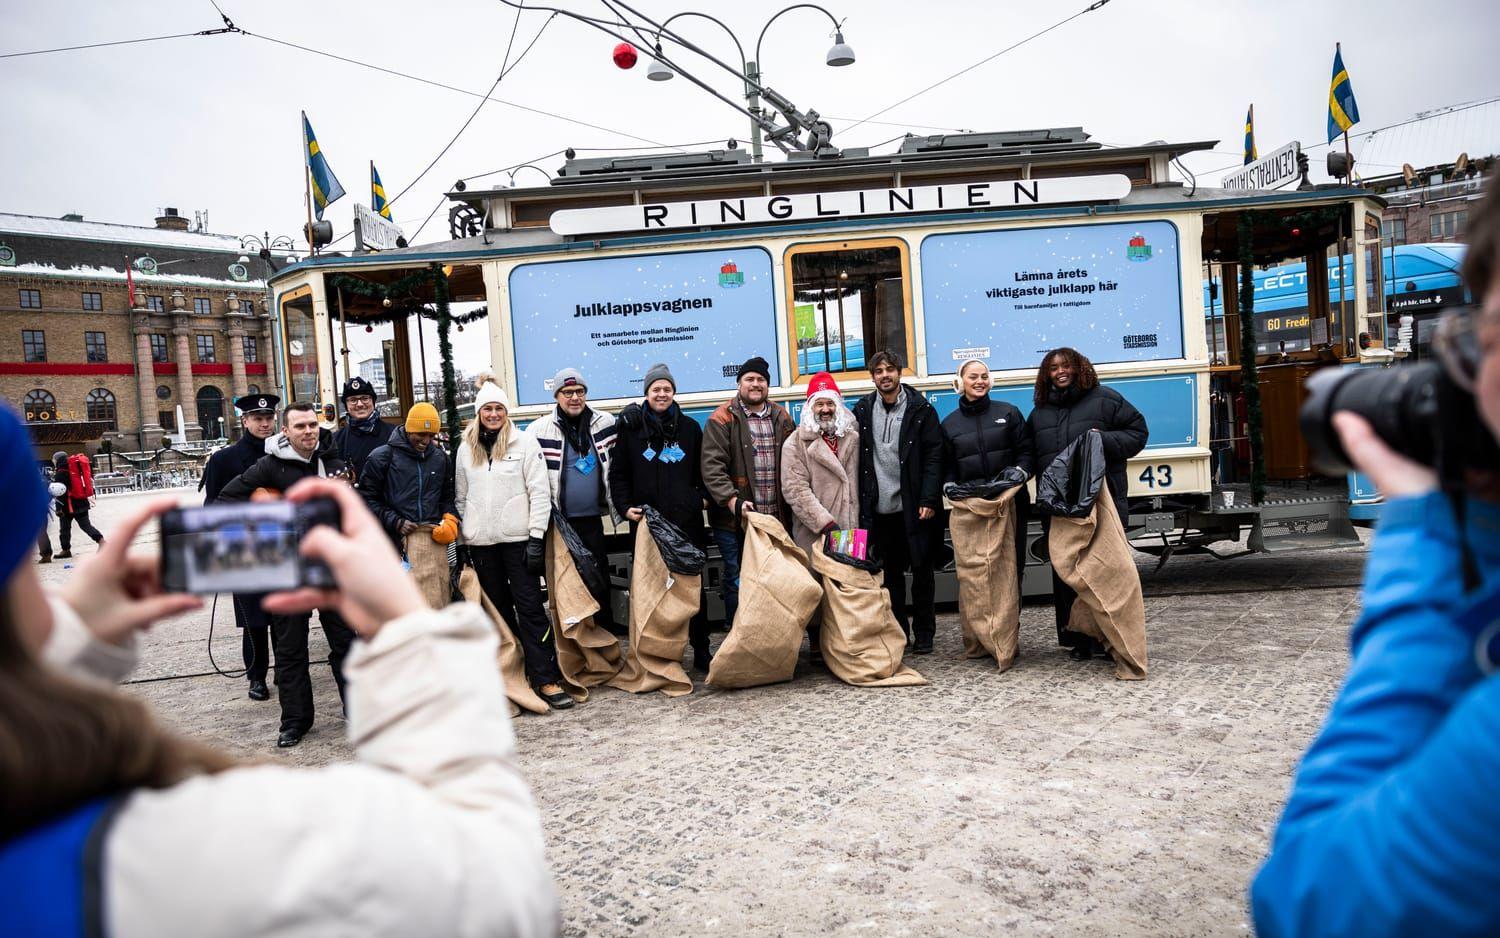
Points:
(1426, 411)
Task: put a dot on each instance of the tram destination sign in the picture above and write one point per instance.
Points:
(848, 203)
(1271, 172)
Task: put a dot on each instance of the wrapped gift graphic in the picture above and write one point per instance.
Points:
(1138, 249)
(730, 276)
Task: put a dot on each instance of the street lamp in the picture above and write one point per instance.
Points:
(265, 244)
(840, 54)
(662, 68)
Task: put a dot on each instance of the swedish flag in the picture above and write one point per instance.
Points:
(378, 204)
(325, 185)
(1343, 113)
(1250, 155)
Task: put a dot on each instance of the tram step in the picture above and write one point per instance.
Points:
(1306, 524)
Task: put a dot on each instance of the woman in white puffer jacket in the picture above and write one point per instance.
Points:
(500, 484)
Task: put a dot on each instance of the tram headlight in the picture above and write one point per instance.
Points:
(1419, 410)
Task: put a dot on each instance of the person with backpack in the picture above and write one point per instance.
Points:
(77, 474)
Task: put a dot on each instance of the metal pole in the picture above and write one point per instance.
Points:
(752, 98)
(343, 331)
(1341, 286)
(421, 351)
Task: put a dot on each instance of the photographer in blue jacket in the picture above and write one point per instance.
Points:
(1392, 822)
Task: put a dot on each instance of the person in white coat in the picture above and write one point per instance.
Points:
(500, 483)
(111, 824)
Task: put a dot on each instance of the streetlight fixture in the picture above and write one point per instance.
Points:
(839, 55)
(265, 244)
(663, 68)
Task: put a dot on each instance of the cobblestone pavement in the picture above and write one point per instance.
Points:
(1052, 799)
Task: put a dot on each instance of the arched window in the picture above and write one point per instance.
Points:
(211, 411)
(101, 406)
(40, 405)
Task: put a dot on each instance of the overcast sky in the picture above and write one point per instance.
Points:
(212, 122)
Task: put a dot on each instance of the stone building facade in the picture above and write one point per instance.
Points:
(88, 363)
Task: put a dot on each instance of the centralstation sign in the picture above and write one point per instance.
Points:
(1272, 172)
(849, 203)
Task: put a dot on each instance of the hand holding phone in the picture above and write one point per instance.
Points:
(243, 547)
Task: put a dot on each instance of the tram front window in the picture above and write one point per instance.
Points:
(847, 303)
(301, 347)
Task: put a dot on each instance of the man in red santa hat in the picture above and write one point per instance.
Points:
(820, 465)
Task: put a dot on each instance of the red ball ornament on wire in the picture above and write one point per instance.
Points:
(625, 55)
(369, 328)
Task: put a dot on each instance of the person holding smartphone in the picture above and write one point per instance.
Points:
(112, 824)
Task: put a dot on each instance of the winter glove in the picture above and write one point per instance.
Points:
(447, 532)
(536, 562)
(950, 491)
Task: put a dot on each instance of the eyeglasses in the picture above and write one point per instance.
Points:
(572, 392)
(1456, 345)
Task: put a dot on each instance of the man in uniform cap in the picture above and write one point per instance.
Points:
(364, 431)
(258, 416)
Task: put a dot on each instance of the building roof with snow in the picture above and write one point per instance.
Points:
(167, 254)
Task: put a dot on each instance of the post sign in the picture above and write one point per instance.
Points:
(374, 232)
(700, 312)
(1113, 292)
(1271, 172)
(851, 203)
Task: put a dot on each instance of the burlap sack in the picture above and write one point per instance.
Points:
(587, 655)
(1091, 555)
(661, 603)
(861, 640)
(777, 598)
(984, 556)
(512, 660)
(429, 566)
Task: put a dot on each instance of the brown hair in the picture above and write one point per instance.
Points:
(1087, 379)
(64, 742)
(1484, 244)
(887, 357)
(286, 415)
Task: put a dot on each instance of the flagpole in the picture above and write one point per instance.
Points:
(307, 186)
(343, 331)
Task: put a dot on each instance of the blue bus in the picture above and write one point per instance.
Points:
(1420, 280)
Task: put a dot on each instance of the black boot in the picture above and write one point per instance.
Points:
(259, 691)
(1081, 652)
(702, 658)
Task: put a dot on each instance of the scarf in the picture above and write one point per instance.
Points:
(661, 426)
(576, 431)
(365, 426)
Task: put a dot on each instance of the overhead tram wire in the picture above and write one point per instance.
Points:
(505, 69)
(1097, 4)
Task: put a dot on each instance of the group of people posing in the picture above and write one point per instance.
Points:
(881, 466)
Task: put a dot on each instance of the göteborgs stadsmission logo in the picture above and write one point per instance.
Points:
(730, 276)
(1138, 249)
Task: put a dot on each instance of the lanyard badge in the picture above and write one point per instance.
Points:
(672, 453)
(649, 454)
(585, 464)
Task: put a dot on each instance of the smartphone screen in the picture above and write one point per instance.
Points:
(243, 547)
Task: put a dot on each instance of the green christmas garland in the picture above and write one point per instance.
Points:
(445, 354)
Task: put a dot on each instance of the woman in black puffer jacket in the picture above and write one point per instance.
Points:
(658, 462)
(1069, 403)
(983, 438)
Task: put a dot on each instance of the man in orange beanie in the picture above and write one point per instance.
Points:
(407, 482)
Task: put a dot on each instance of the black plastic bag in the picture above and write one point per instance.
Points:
(680, 555)
(989, 488)
(583, 560)
(1070, 485)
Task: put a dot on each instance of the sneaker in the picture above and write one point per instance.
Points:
(922, 646)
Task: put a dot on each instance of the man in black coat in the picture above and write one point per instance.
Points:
(258, 416)
(292, 456)
(901, 492)
(1070, 402)
(363, 431)
(408, 482)
(658, 462)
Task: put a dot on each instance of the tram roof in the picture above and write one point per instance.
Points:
(1142, 200)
